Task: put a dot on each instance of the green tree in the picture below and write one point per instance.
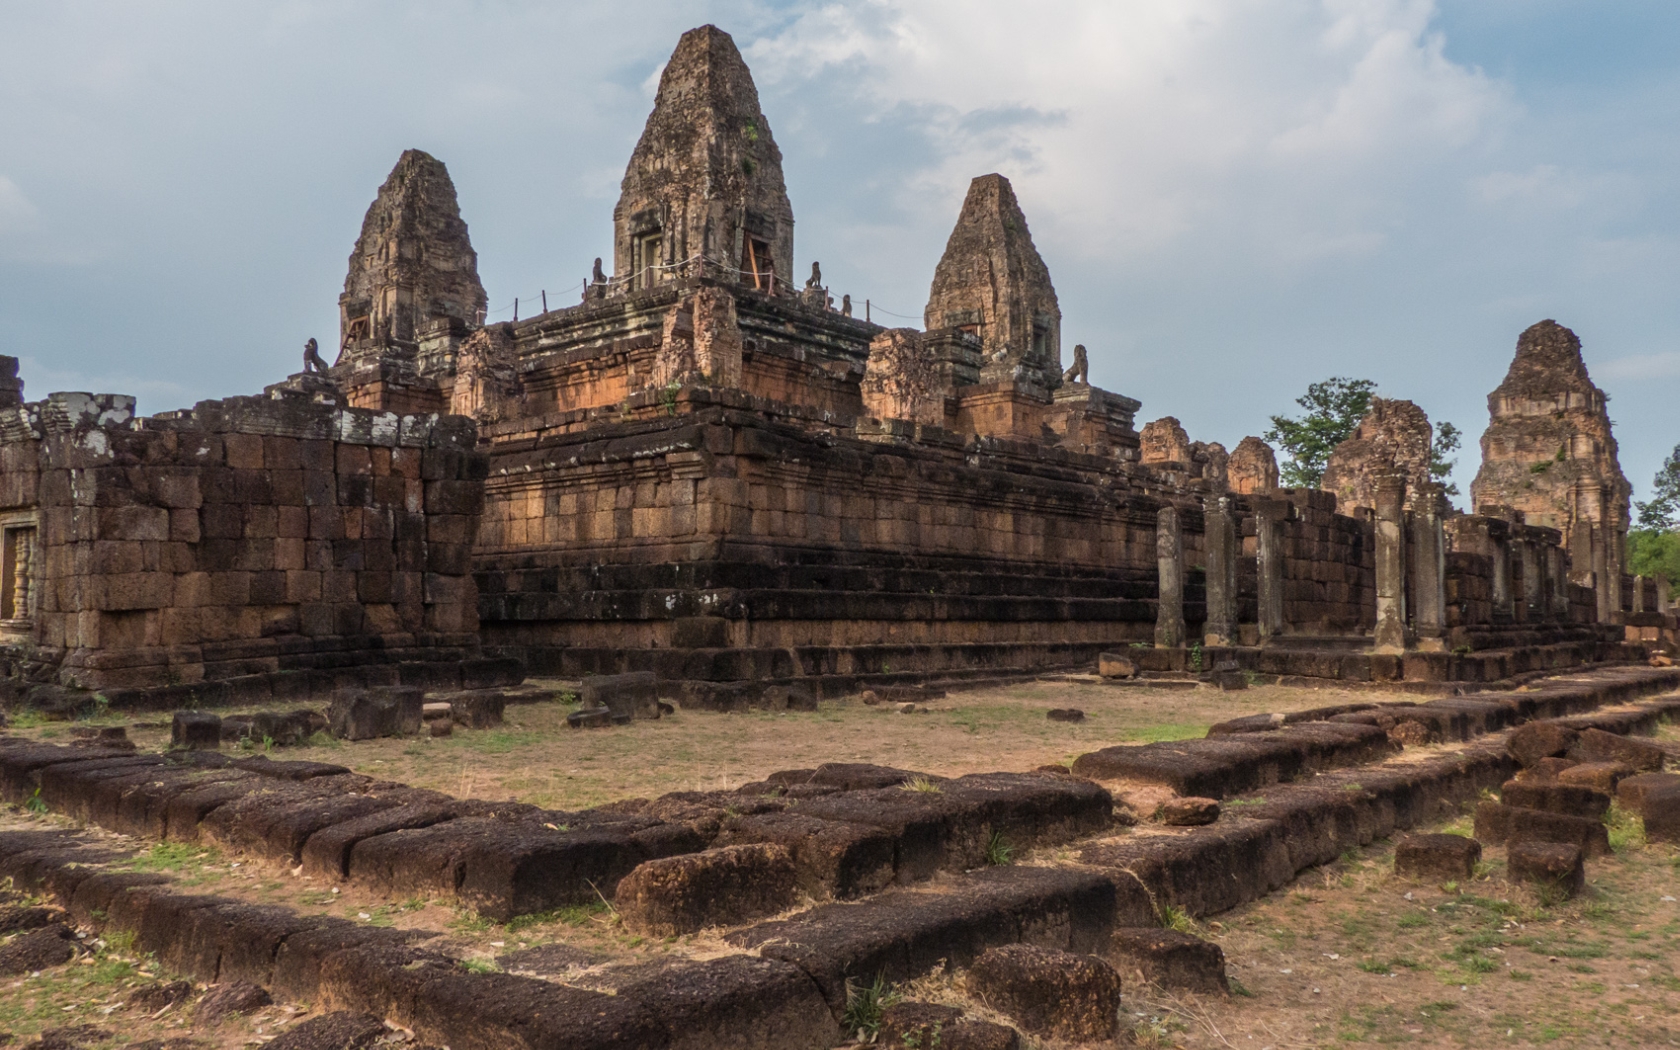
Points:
(1654, 552)
(1447, 438)
(1334, 407)
(1662, 511)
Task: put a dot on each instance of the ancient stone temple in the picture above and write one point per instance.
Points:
(1549, 454)
(705, 470)
(991, 283)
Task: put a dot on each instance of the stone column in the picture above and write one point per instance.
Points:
(1560, 583)
(1169, 564)
(1429, 569)
(1390, 634)
(1614, 561)
(1534, 601)
(1601, 577)
(1269, 515)
(1500, 545)
(1662, 594)
(1639, 594)
(1219, 539)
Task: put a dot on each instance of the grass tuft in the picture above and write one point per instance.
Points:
(999, 853)
(864, 1006)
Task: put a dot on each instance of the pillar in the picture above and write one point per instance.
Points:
(1390, 634)
(1601, 577)
(1533, 592)
(1662, 594)
(1219, 540)
(1169, 565)
(1269, 515)
(1499, 543)
(1639, 594)
(1559, 577)
(1429, 569)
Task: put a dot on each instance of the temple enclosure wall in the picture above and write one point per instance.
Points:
(242, 537)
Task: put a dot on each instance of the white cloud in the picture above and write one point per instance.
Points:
(16, 211)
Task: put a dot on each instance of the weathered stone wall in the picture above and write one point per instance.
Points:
(244, 536)
(1328, 565)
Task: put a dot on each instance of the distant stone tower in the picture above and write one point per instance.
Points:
(413, 264)
(991, 282)
(1394, 436)
(1548, 452)
(705, 178)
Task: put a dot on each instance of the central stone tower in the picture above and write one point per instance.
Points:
(705, 180)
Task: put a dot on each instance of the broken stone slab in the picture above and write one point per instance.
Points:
(1437, 858)
(282, 728)
(726, 886)
(591, 718)
(382, 711)
(1595, 745)
(114, 738)
(340, 1030)
(1170, 959)
(435, 709)
(230, 999)
(1547, 769)
(1506, 825)
(1218, 767)
(1065, 714)
(1554, 797)
(1189, 812)
(1549, 865)
(913, 1024)
(1530, 743)
(627, 696)
(195, 731)
(40, 949)
(1049, 992)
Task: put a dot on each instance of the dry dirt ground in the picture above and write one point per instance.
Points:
(1348, 955)
(537, 759)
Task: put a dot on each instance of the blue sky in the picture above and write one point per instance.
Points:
(1235, 197)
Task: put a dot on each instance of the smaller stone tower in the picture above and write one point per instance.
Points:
(992, 283)
(413, 265)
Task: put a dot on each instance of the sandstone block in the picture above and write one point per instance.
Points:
(195, 731)
(716, 887)
(379, 712)
(1600, 776)
(1501, 824)
(590, 718)
(1049, 992)
(1595, 745)
(478, 709)
(230, 999)
(1437, 858)
(1661, 809)
(1631, 791)
(1114, 665)
(635, 695)
(1170, 959)
(1547, 769)
(1553, 797)
(1549, 865)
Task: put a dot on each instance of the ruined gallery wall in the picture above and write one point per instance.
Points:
(245, 536)
(1329, 566)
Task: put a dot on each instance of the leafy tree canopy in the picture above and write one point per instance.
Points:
(1333, 408)
(1662, 510)
(1654, 552)
(1446, 440)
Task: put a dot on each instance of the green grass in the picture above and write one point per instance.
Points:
(480, 966)
(922, 785)
(174, 856)
(999, 852)
(1167, 731)
(864, 1006)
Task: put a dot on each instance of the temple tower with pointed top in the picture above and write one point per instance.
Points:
(705, 180)
(991, 282)
(1549, 452)
(413, 265)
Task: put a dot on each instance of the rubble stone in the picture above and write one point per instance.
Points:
(1549, 865)
(1049, 992)
(1437, 858)
(195, 730)
(1170, 959)
(717, 887)
(1188, 812)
